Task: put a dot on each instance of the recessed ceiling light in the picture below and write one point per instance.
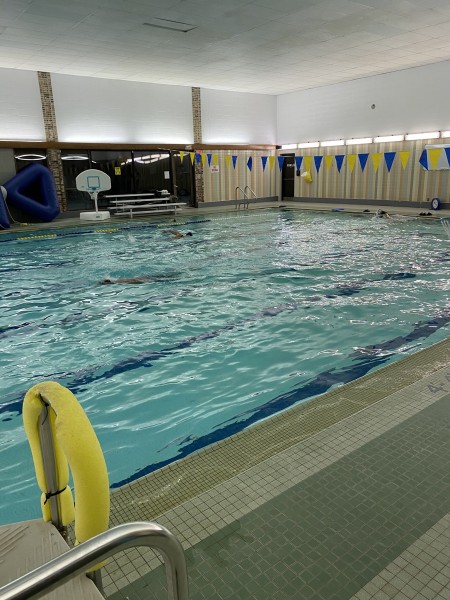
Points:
(171, 25)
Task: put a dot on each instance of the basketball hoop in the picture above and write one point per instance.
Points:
(93, 181)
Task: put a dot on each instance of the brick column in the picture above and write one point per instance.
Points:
(51, 134)
(197, 122)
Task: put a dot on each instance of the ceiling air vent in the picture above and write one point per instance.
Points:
(171, 25)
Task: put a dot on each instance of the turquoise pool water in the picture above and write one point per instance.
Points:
(255, 312)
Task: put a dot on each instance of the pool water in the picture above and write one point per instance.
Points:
(255, 312)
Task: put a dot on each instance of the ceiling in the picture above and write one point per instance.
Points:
(259, 46)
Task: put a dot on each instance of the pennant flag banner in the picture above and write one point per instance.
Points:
(351, 160)
(318, 162)
(339, 160)
(192, 155)
(264, 162)
(423, 160)
(376, 159)
(227, 161)
(198, 157)
(363, 160)
(404, 157)
(389, 159)
(434, 155)
(234, 159)
(271, 161)
(280, 162)
(298, 162)
(181, 155)
(329, 161)
(250, 163)
(215, 159)
(307, 163)
(209, 156)
(447, 153)
(203, 159)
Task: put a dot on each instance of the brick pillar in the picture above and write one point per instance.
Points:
(51, 134)
(197, 122)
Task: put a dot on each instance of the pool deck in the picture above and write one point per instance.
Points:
(346, 496)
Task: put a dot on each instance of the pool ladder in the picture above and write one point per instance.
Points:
(245, 199)
(88, 554)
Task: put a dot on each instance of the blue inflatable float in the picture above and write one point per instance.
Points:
(33, 191)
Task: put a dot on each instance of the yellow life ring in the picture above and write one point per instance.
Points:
(75, 445)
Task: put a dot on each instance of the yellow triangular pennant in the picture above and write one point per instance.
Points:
(181, 155)
(376, 159)
(307, 163)
(404, 157)
(227, 160)
(203, 159)
(435, 155)
(351, 160)
(271, 161)
(215, 159)
(329, 160)
(192, 155)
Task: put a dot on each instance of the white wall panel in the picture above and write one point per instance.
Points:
(408, 101)
(238, 118)
(20, 106)
(105, 110)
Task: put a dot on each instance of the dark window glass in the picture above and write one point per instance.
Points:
(24, 157)
(75, 162)
(152, 171)
(183, 179)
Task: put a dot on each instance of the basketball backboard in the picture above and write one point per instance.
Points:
(93, 180)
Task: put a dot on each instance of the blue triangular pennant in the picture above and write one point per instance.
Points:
(423, 160)
(339, 160)
(318, 162)
(250, 163)
(209, 156)
(280, 162)
(447, 152)
(33, 190)
(234, 159)
(363, 160)
(198, 157)
(264, 162)
(298, 162)
(389, 159)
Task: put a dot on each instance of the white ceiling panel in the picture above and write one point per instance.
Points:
(261, 46)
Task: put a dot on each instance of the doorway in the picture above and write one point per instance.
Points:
(288, 177)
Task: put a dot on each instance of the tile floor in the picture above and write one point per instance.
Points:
(355, 506)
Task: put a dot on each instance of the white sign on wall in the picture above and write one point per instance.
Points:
(214, 168)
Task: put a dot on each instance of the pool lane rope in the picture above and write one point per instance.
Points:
(76, 446)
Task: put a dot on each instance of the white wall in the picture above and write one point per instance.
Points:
(105, 110)
(238, 118)
(408, 101)
(20, 106)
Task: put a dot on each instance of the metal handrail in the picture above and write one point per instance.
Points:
(240, 201)
(86, 555)
(247, 186)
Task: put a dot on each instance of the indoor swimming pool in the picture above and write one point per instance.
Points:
(256, 312)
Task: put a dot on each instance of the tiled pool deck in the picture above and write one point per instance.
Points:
(345, 496)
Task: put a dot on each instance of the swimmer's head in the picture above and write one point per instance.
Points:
(189, 233)
(106, 281)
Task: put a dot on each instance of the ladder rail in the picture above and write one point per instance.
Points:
(88, 554)
(240, 201)
(251, 191)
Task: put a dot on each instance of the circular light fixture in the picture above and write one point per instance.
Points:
(30, 157)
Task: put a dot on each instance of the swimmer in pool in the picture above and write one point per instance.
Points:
(177, 234)
(382, 214)
(125, 280)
